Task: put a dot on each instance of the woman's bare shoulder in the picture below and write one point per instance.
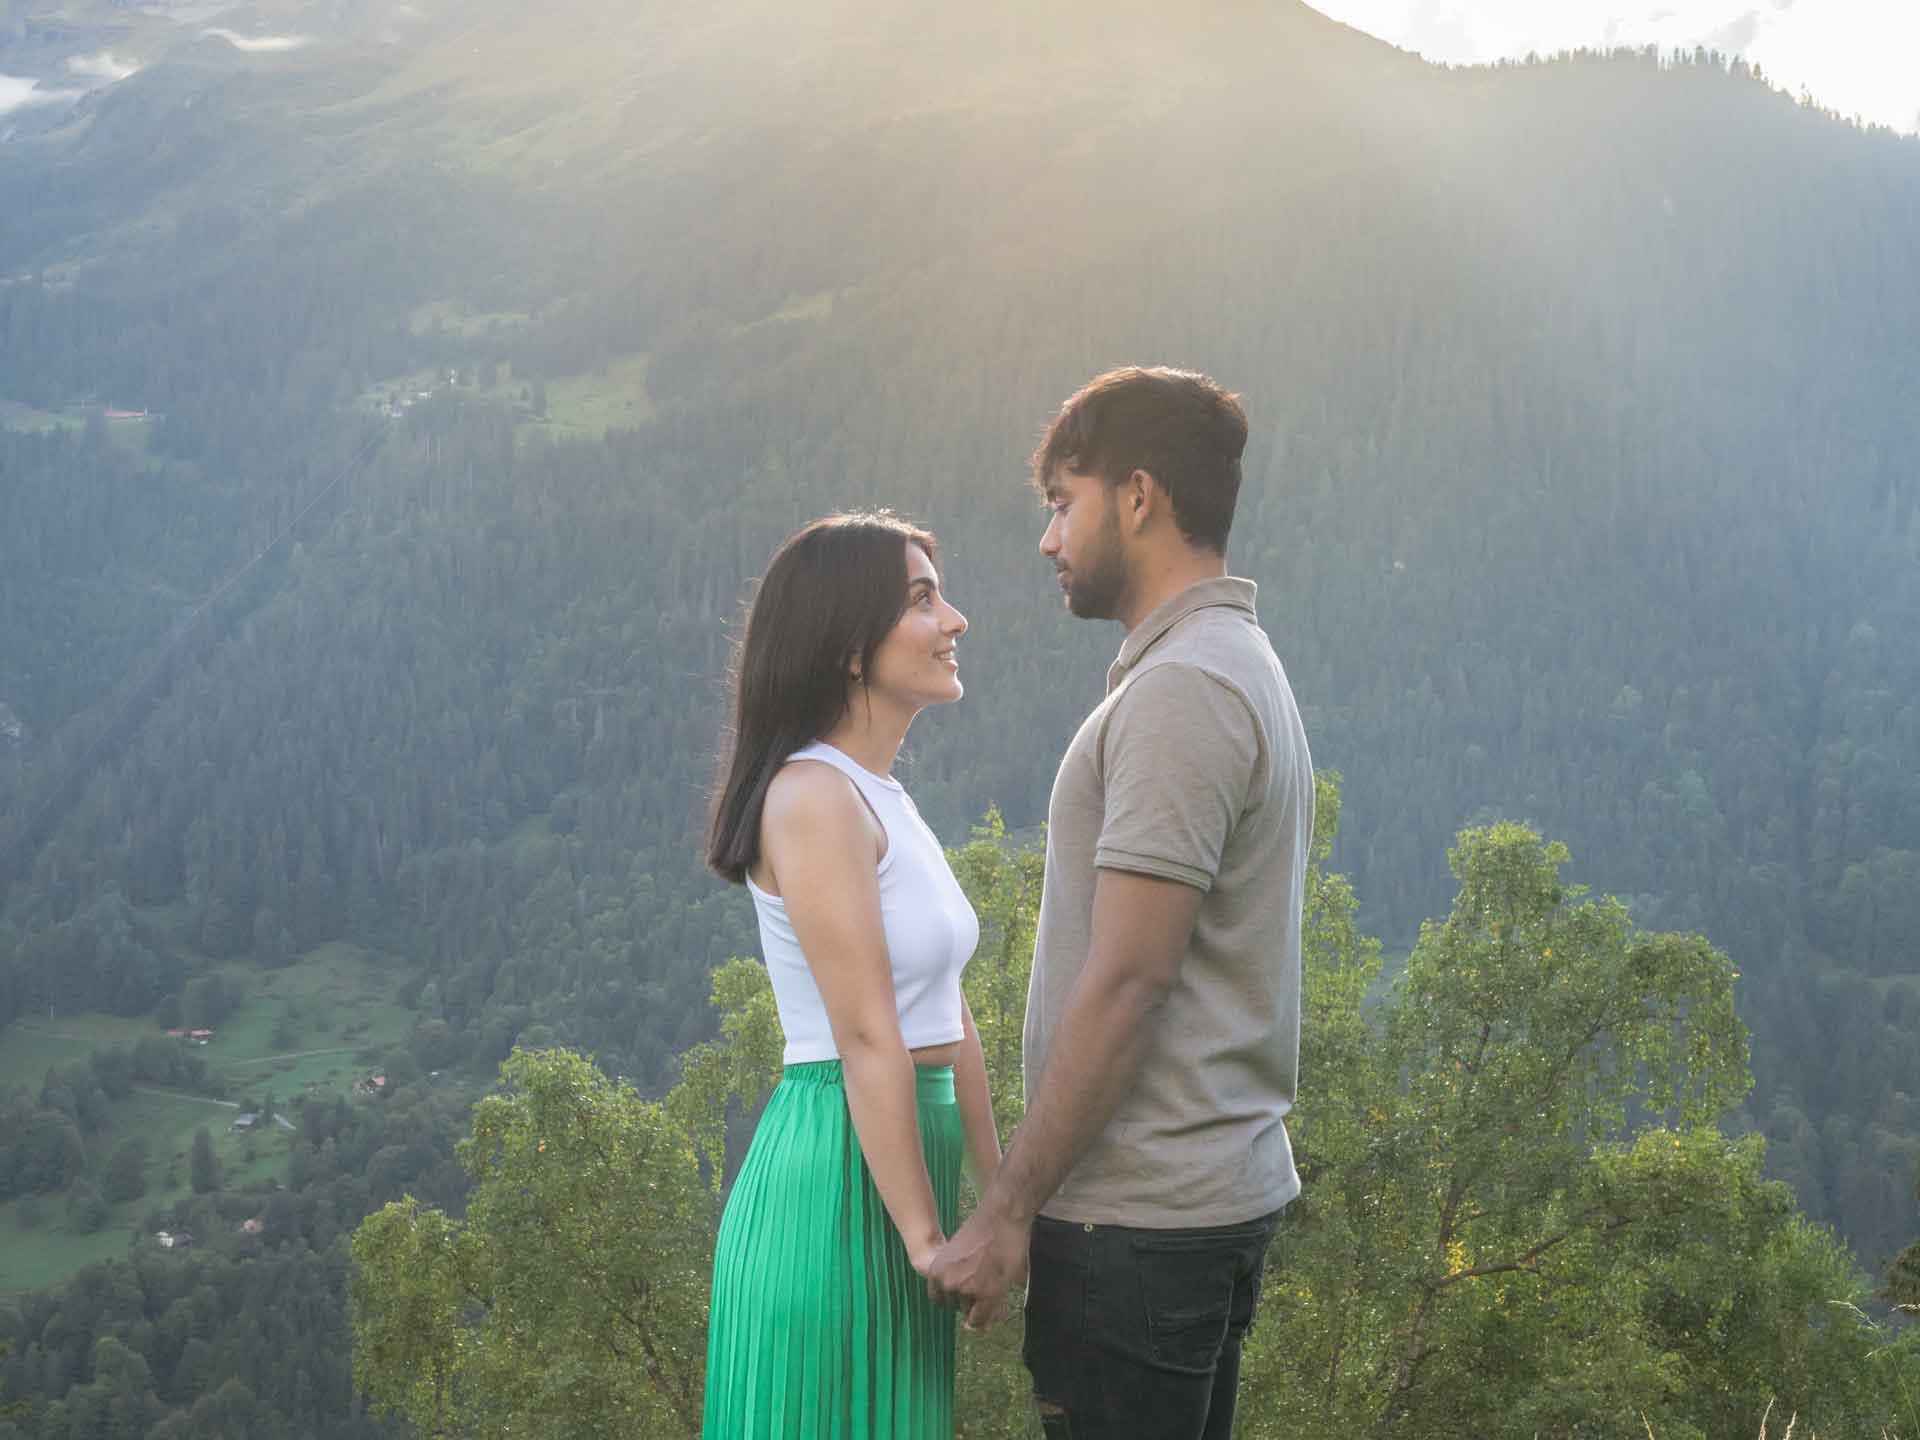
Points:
(812, 796)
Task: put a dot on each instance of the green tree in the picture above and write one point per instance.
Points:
(86, 1207)
(1902, 1285)
(126, 1177)
(571, 1299)
(1518, 1215)
(401, 1069)
(736, 1071)
(203, 1166)
(1002, 879)
(1519, 1218)
(119, 1403)
(11, 1409)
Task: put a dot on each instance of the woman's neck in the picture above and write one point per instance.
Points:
(869, 734)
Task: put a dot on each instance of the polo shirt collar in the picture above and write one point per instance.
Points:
(1228, 590)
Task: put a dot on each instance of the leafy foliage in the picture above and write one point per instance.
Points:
(572, 1297)
(1524, 554)
(1519, 1219)
(1526, 551)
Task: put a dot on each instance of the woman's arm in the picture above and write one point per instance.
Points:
(976, 1105)
(819, 839)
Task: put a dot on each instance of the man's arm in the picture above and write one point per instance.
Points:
(1141, 928)
(1178, 753)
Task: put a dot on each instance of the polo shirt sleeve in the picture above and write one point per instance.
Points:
(1178, 758)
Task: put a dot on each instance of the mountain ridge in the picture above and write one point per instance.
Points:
(1583, 449)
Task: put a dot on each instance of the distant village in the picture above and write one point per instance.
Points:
(247, 1122)
(398, 403)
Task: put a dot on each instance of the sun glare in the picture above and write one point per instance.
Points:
(1850, 56)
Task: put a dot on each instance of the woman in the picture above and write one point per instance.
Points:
(821, 1325)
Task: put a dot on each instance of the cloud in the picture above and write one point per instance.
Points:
(17, 92)
(1735, 38)
(100, 67)
(260, 44)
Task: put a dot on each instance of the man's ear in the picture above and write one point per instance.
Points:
(1140, 498)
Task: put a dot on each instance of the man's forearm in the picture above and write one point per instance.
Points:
(1091, 1065)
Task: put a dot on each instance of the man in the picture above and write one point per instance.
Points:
(1163, 1018)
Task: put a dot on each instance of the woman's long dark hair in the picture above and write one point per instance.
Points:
(829, 597)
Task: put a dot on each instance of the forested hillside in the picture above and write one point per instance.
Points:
(1581, 489)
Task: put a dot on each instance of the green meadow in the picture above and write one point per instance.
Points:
(585, 406)
(614, 397)
(310, 1029)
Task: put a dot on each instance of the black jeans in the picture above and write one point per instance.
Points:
(1136, 1333)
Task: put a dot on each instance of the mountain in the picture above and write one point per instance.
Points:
(1581, 488)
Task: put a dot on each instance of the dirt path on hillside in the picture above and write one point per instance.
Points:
(34, 1028)
(212, 1059)
(182, 1095)
(294, 1055)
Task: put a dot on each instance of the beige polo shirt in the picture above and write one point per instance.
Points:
(1195, 769)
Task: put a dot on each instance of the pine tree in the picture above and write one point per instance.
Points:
(204, 1165)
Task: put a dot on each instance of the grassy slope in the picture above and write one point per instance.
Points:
(344, 1019)
(585, 406)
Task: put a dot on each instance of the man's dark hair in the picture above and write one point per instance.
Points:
(1177, 425)
(829, 598)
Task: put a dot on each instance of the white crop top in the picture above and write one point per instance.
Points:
(930, 928)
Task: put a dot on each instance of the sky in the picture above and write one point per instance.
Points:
(1859, 57)
(17, 92)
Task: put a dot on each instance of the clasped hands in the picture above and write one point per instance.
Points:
(974, 1271)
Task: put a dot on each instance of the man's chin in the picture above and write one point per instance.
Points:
(1085, 607)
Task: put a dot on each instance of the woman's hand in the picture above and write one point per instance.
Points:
(920, 1252)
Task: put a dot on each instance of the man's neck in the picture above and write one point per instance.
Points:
(1164, 576)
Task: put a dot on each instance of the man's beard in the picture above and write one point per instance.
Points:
(1095, 591)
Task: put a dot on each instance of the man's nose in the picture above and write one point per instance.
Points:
(1050, 538)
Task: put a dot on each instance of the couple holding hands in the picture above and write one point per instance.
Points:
(1161, 1048)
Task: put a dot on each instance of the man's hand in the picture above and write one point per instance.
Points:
(976, 1268)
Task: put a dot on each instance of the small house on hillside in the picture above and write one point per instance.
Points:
(200, 1037)
(172, 1239)
(243, 1123)
(253, 1226)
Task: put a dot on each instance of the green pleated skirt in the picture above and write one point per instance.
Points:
(820, 1328)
